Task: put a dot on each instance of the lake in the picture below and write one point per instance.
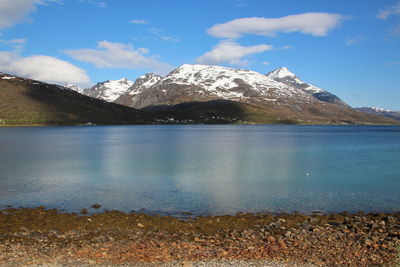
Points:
(201, 169)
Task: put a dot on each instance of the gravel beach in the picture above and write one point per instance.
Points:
(48, 237)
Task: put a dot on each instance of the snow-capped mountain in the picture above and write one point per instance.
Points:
(203, 83)
(283, 75)
(142, 83)
(380, 112)
(189, 94)
(109, 90)
(75, 88)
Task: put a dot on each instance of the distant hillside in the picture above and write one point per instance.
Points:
(213, 112)
(29, 102)
(227, 111)
(380, 112)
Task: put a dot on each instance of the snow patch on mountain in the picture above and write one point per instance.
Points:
(116, 88)
(7, 77)
(283, 75)
(380, 112)
(144, 82)
(75, 88)
(109, 90)
(224, 82)
(204, 82)
(280, 73)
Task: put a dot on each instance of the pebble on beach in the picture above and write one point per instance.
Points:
(50, 237)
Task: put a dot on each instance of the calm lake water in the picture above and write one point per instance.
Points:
(202, 169)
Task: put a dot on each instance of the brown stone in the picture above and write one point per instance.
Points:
(271, 239)
(96, 206)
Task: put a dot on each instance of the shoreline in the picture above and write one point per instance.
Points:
(184, 124)
(49, 236)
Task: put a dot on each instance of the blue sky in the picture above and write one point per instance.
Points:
(350, 48)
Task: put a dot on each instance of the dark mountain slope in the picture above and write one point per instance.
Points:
(29, 102)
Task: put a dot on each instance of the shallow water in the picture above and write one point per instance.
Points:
(202, 169)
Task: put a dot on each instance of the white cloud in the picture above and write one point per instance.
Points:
(43, 68)
(15, 11)
(285, 47)
(351, 41)
(265, 63)
(356, 39)
(139, 21)
(18, 41)
(232, 53)
(118, 55)
(396, 30)
(392, 63)
(14, 41)
(170, 38)
(17, 44)
(237, 3)
(388, 11)
(102, 4)
(157, 33)
(391, 11)
(95, 3)
(316, 24)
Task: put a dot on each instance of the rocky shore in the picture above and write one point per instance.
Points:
(49, 237)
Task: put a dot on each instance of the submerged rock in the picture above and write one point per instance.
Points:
(96, 206)
(84, 211)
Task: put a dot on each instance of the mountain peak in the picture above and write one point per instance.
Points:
(109, 90)
(192, 68)
(285, 76)
(280, 73)
(119, 81)
(122, 81)
(149, 75)
(74, 87)
(145, 81)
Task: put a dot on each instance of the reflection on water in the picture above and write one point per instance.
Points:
(202, 169)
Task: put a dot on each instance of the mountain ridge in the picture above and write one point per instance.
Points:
(108, 90)
(380, 112)
(211, 82)
(223, 86)
(210, 94)
(285, 76)
(203, 83)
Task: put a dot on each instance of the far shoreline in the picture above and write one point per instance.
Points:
(192, 124)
